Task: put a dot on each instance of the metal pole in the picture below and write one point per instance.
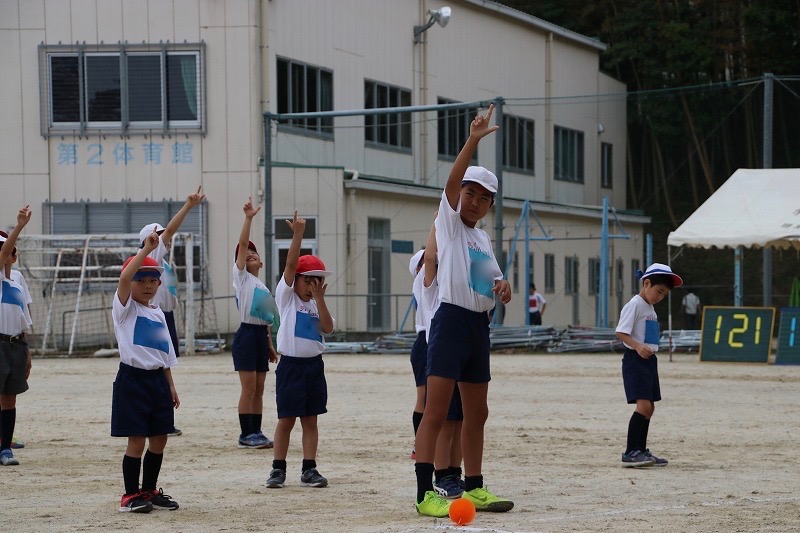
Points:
(602, 300)
(766, 260)
(188, 315)
(737, 276)
(526, 207)
(499, 310)
(268, 199)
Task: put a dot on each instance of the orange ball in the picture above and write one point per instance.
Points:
(462, 512)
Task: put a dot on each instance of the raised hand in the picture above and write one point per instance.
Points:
(24, 215)
(297, 224)
(196, 198)
(249, 210)
(151, 242)
(479, 126)
(318, 288)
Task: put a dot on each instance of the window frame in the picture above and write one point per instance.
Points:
(397, 123)
(606, 165)
(569, 159)
(123, 51)
(320, 127)
(453, 119)
(522, 133)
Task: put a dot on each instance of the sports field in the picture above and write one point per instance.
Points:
(556, 429)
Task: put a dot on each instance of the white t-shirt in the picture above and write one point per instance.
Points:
(467, 266)
(430, 303)
(639, 320)
(142, 335)
(253, 299)
(14, 315)
(17, 276)
(535, 302)
(690, 303)
(300, 334)
(167, 296)
(416, 290)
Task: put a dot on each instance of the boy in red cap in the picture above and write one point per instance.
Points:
(300, 386)
(15, 357)
(144, 394)
(252, 348)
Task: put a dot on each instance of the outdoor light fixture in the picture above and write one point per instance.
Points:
(438, 16)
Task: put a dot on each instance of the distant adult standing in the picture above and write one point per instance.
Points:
(536, 305)
(691, 305)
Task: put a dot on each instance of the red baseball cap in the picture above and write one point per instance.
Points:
(250, 246)
(311, 265)
(149, 268)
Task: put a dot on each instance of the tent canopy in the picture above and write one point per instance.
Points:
(754, 208)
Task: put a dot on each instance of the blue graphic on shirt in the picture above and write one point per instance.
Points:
(308, 327)
(12, 295)
(481, 279)
(151, 334)
(652, 334)
(263, 306)
(170, 279)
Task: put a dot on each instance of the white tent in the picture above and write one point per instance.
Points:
(754, 208)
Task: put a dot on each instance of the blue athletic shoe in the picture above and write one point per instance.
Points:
(448, 487)
(251, 441)
(7, 458)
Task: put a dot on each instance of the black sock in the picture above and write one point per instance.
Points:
(416, 418)
(635, 431)
(151, 467)
(455, 471)
(424, 479)
(472, 482)
(130, 473)
(246, 423)
(308, 464)
(643, 434)
(439, 474)
(257, 423)
(280, 464)
(8, 419)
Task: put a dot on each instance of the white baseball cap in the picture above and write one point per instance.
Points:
(415, 261)
(148, 229)
(482, 177)
(659, 268)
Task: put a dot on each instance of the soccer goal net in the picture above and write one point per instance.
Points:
(72, 280)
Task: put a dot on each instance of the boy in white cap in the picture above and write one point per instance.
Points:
(15, 357)
(458, 341)
(144, 394)
(300, 387)
(639, 332)
(167, 296)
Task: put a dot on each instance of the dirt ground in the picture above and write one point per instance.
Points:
(555, 433)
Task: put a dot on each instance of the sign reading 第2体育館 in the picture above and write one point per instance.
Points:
(737, 334)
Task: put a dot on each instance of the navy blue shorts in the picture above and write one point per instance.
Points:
(300, 386)
(141, 405)
(419, 359)
(640, 377)
(13, 362)
(250, 348)
(458, 346)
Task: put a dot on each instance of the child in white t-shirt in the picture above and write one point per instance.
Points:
(301, 390)
(144, 396)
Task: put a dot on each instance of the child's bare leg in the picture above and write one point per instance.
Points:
(474, 398)
(135, 446)
(456, 454)
(441, 458)
(248, 382)
(257, 403)
(282, 432)
(157, 444)
(440, 391)
(310, 436)
(419, 406)
(646, 408)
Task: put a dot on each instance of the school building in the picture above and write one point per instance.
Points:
(115, 110)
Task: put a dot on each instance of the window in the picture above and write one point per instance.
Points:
(606, 165)
(393, 130)
(594, 275)
(549, 273)
(122, 88)
(530, 272)
(568, 155)
(571, 275)
(108, 218)
(283, 239)
(518, 143)
(453, 127)
(304, 89)
(635, 266)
